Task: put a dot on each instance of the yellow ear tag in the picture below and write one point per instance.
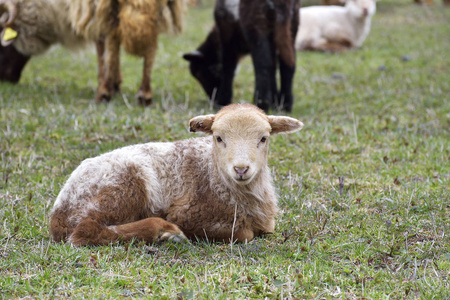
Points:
(9, 34)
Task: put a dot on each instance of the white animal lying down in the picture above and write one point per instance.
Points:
(217, 187)
(335, 28)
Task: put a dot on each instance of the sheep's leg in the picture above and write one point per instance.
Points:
(285, 97)
(111, 74)
(145, 95)
(285, 33)
(229, 64)
(150, 230)
(264, 63)
(229, 41)
(100, 47)
(262, 49)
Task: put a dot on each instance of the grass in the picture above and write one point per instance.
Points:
(378, 116)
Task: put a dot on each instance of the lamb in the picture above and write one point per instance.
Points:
(216, 187)
(335, 28)
(38, 24)
(266, 30)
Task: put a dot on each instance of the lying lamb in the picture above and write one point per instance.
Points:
(216, 187)
(335, 28)
(33, 26)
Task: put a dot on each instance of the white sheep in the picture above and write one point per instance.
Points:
(335, 28)
(217, 187)
(33, 26)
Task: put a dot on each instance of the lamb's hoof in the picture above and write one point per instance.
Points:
(172, 237)
(178, 239)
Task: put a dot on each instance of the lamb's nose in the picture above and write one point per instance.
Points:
(241, 171)
(365, 11)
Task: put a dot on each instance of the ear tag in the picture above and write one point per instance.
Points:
(9, 34)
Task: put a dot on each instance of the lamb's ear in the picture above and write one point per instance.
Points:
(281, 124)
(201, 123)
(193, 56)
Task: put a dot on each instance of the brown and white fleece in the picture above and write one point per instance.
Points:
(217, 187)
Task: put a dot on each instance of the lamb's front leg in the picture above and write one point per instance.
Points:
(149, 230)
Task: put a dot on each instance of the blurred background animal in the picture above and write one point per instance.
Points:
(31, 27)
(264, 29)
(12, 63)
(335, 28)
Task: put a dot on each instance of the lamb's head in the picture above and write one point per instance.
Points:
(361, 8)
(240, 135)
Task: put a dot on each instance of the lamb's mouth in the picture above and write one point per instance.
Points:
(242, 180)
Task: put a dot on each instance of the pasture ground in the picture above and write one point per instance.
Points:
(378, 116)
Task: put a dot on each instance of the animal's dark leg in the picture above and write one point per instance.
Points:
(285, 98)
(229, 63)
(256, 18)
(286, 26)
(230, 40)
(264, 63)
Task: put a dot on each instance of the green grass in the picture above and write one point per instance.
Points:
(380, 122)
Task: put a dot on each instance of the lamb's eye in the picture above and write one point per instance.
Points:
(263, 140)
(219, 139)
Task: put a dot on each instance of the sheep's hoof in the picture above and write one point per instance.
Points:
(116, 87)
(217, 106)
(264, 105)
(102, 98)
(145, 101)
